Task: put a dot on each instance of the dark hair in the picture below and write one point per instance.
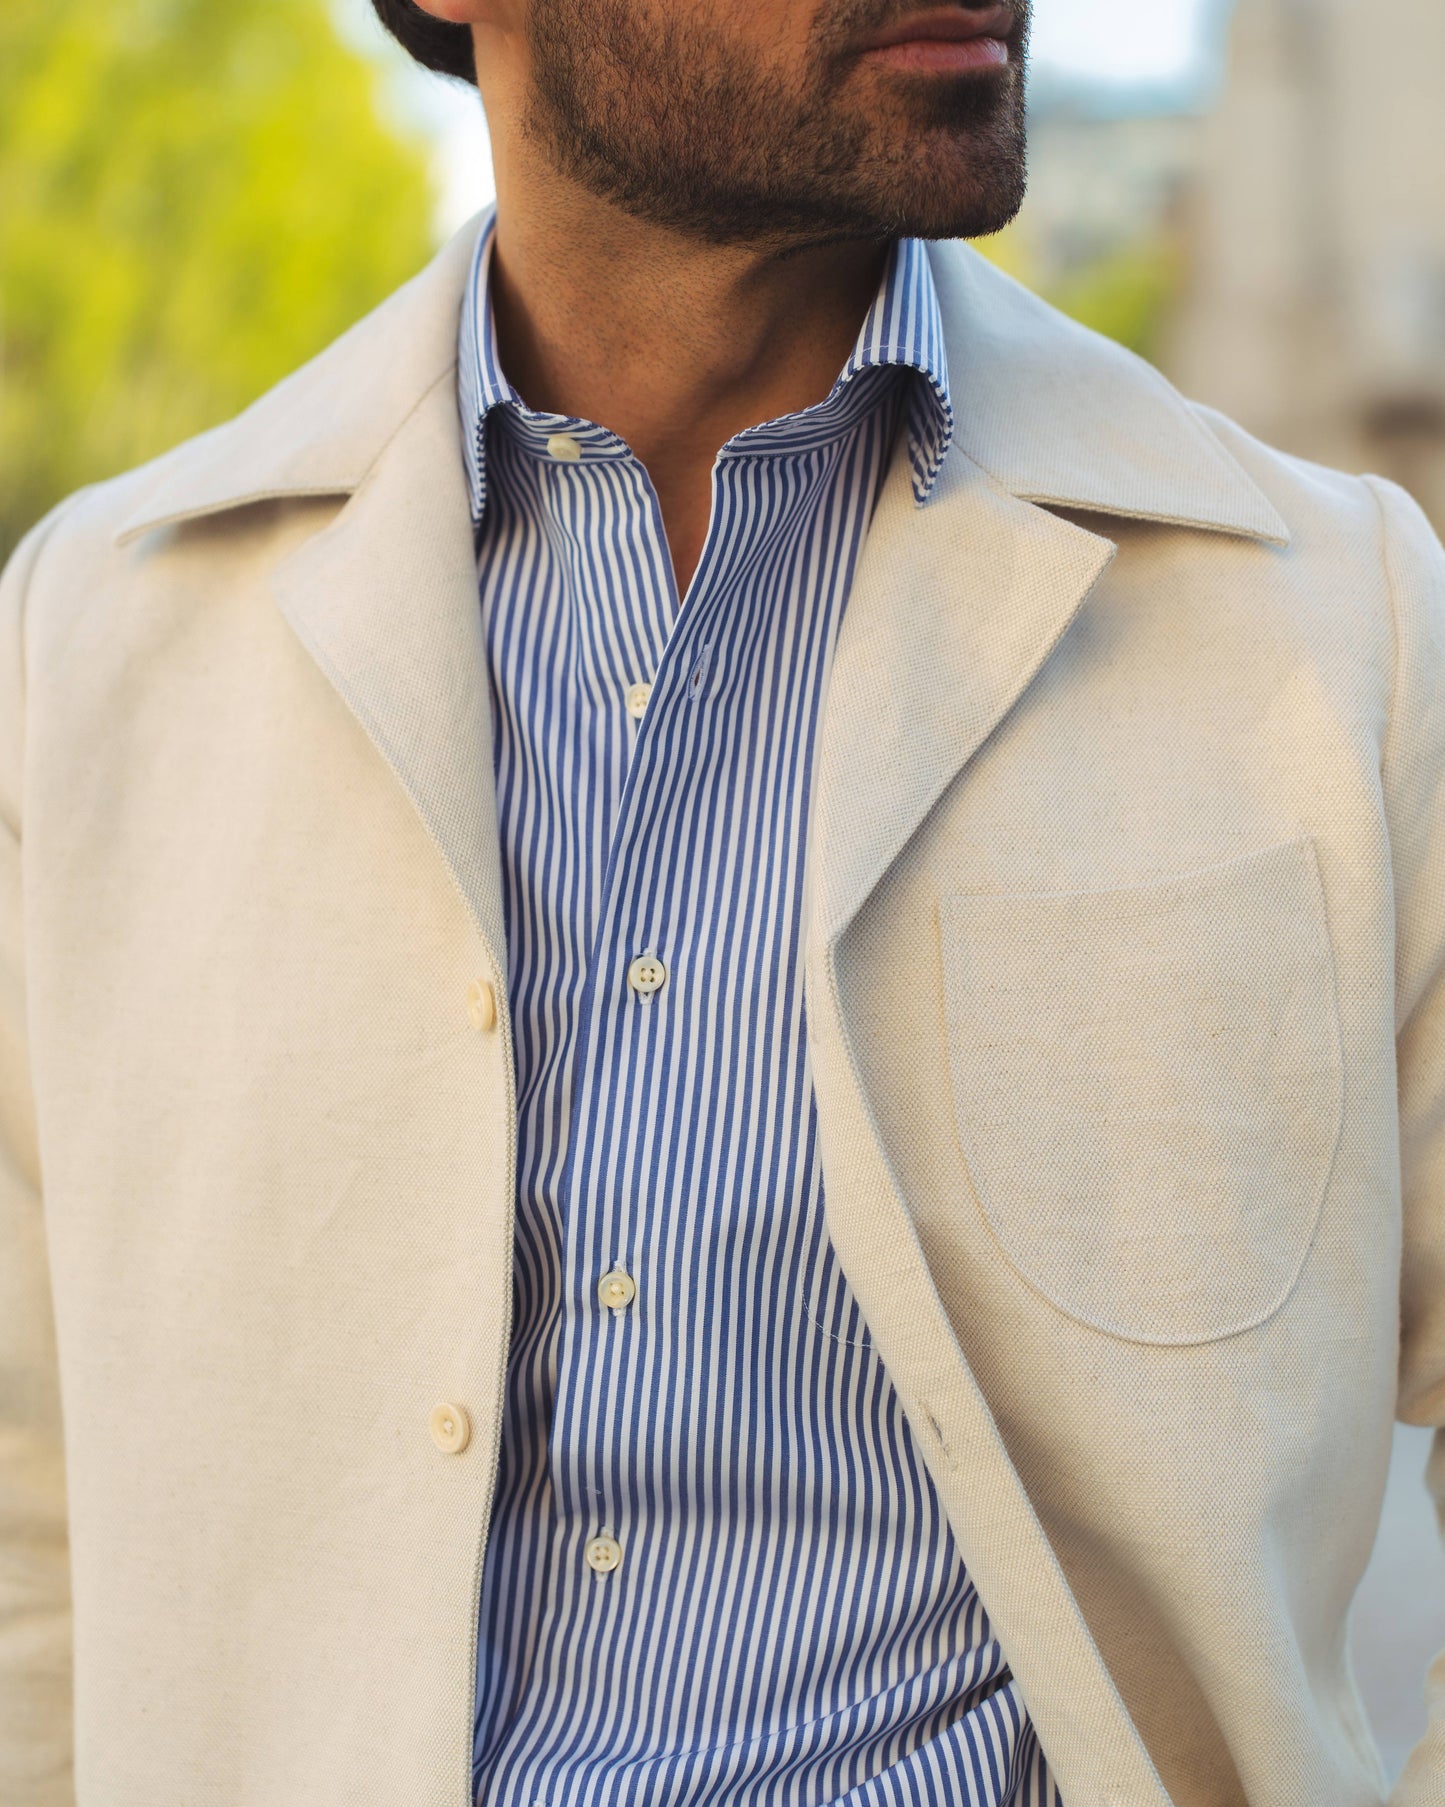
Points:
(445, 48)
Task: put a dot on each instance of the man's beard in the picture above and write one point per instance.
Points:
(669, 120)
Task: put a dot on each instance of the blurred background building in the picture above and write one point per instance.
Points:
(1315, 305)
(194, 197)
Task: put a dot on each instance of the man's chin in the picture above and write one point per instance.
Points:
(950, 195)
(947, 159)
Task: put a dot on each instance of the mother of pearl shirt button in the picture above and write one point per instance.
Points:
(564, 446)
(603, 1554)
(646, 975)
(617, 1288)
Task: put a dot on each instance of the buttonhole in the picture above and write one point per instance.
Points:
(697, 680)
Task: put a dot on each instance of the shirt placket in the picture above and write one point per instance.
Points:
(625, 1129)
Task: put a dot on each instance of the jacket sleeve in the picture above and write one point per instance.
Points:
(1413, 776)
(36, 1736)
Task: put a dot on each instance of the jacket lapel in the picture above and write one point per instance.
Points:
(385, 600)
(385, 597)
(957, 602)
(954, 607)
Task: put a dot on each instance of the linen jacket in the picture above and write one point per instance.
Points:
(1126, 1006)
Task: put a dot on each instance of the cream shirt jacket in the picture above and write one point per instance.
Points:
(1126, 994)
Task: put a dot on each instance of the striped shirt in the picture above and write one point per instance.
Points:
(717, 1570)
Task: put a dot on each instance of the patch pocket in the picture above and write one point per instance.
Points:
(1148, 1087)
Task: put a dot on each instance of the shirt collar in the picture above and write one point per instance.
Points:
(903, 328)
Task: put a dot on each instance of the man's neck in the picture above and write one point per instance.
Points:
(668, 342)
(672, 344)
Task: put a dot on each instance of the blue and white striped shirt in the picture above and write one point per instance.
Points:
(717, 1571)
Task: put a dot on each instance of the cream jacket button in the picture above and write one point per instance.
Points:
(451, 1429)
(617, 1288)
(646, 975)
(637, 696)
(603, 1554)
(481, 1004)
(564, 446)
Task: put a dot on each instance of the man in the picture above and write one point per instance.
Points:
(724, 1008)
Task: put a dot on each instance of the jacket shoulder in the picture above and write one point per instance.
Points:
(68, 563)
(1356, 536)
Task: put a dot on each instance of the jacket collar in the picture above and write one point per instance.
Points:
(1054, 413)
(1061, 416)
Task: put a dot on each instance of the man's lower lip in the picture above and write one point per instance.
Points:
(944, 54)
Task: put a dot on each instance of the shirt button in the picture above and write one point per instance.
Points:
(451, 1429)
(564, 446)
(646, 975)
(637, 696)
(603, 1554)
(481, 1004)
(617, 1288)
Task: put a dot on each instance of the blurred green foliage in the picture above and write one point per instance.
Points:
(195, 196)
(1126, 294)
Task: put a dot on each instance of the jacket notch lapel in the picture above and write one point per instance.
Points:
(954, 607)
(385, 600)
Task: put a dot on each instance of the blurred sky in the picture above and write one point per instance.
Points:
(1122, 40)
(1153, 43)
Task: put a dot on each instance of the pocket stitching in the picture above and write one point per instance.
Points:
(974, 1167)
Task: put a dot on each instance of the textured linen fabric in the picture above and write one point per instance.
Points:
(257, 1163)
(790, 1621)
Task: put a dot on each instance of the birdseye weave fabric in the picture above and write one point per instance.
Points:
(717, 1569)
